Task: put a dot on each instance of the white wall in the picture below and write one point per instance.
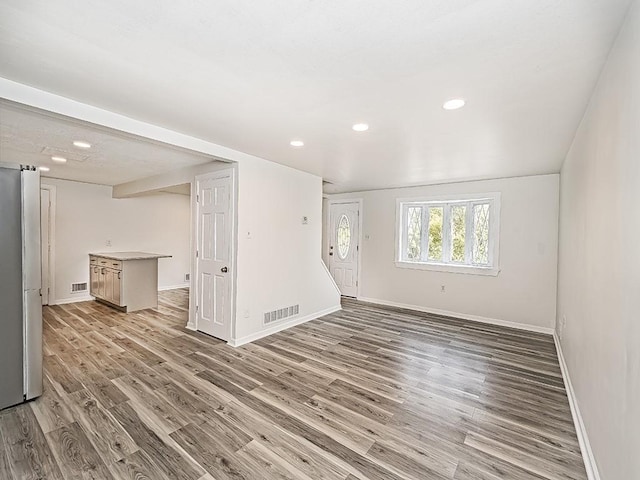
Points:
(524, 292)
(599, 270)
(87, 216)
(278, 257)
(279, 193)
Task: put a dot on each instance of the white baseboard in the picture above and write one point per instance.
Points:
(173, 287)
(64, 301)
(333, 280)
(585, 447)
(282, 326)
(464, 316)
(88, 298)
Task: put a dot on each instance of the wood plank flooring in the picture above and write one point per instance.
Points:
(365, 393)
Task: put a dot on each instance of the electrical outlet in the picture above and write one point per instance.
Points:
(187, 277)
(108, 242)
(305, 220)
(442, 289)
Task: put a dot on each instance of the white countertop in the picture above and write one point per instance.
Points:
(130, 255)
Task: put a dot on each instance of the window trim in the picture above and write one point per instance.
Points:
(441, 200)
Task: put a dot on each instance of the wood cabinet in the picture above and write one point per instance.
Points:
(94, 281)
(106, 280)
(125, 280)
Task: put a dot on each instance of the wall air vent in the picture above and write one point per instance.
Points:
(281, 314)
(78, 287)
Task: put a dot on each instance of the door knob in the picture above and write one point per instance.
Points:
(224, 269)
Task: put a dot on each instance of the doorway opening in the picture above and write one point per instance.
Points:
(213, 269)
(47, 242)
(344, 232)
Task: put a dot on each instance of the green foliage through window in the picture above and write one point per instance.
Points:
(414, 232)
(456, 232)
(344, 237)
(436, 215)
(481, 234)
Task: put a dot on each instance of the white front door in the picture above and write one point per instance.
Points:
(213, 254)
(45, 212)
(343, 246)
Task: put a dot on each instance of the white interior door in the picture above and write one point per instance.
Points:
(45, 244)
(213, 254)
(343, 246)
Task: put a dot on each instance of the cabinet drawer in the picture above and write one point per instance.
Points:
(108, 263)
(93, 260)
(115, 264)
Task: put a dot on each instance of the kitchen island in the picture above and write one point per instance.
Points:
(127, 281)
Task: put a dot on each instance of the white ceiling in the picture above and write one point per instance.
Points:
(253, 75)
(32, 137)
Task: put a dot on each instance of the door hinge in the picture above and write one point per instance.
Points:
(197, 253)
(197, 198)
(197, 308)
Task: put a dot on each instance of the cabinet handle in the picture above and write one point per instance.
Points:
(102, 272)
(119, 275)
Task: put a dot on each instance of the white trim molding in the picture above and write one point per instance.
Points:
(585, 447)
(64, 301)
(236, 342)
(446, 203)
(333, 280)
(174, 287)
(52, 239)
(463, 316)
(329, 227)
(230, 172)
(450, 268)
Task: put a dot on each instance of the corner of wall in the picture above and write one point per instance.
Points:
(237, 342)
(581, 431)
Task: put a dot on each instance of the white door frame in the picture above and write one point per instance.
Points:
(328, 226)
(52, 241)
(193, 277)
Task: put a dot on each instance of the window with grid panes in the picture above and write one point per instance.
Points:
(451, 233)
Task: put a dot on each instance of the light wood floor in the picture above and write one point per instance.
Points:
(368, 392)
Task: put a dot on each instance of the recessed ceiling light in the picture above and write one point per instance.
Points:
(297, 143)
(360, 127)
(59, 159)
(44, 169)
(453, 104)
(81, 144)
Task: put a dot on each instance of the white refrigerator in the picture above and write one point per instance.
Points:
(20, 283)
